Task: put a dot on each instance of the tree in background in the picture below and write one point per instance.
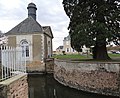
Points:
(3, 39)
(93, 23)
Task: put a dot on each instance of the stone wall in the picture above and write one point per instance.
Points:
(35, 66)
(15, 87)
(96, 77)
(37, 47)
(12, 41)
(49, 64)
(41, 67)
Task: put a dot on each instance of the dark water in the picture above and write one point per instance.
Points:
(44, 86)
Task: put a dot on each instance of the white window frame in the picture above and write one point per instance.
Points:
(25, 48)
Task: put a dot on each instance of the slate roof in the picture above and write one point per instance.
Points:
(60, 47)
(27, 26)
(47, 30)
(67, 38)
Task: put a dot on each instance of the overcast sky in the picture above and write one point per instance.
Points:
(49, 13)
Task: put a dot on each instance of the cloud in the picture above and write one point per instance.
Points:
(52, 13)
(12, 9)
(49, 12)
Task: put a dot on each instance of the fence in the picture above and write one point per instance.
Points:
(13, 62)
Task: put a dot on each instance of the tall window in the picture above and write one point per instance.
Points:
(25, 48)
(67, 49)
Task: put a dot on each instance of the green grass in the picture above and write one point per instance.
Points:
(114, 55)
(78, 57)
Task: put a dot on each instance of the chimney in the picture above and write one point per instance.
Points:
(32, 10)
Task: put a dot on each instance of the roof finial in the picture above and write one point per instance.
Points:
(32, 10)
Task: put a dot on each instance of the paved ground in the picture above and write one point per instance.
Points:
(116, 58)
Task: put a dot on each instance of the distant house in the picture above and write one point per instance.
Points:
(59, 50)
(35, 39)
(67, 46)
(68, 49)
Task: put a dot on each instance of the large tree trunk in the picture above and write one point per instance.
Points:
(100, 52)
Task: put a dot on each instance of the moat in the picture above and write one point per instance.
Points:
(45, 86)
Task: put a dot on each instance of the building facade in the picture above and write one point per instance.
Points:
(59, 50)
(67, 46)
(34, 39)
(67, 49)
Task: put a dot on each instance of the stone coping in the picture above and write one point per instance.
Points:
(88, 66)
(76, 61)
(12, 79)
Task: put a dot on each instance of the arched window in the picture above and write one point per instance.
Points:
(25, 48)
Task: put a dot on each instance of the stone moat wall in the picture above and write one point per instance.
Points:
(15, 87)
(49, 65)
(41, 67)
(96, 77)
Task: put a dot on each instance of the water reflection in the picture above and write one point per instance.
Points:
(44, 86)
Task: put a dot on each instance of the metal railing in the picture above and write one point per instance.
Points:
(13, 62)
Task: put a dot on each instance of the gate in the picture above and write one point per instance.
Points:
(13, 62)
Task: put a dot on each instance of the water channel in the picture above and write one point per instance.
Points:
(44, 86)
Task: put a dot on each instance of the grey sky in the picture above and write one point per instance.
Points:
(49, 13)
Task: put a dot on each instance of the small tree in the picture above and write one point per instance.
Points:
(93, 23)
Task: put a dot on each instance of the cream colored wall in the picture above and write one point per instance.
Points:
(66, 44)
(28, 38)
(12, 41)
(49, 46)
(37, 47)
(45, 46)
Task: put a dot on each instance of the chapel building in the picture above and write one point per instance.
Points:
(35, 39)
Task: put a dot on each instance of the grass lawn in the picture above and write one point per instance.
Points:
(115, 57)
